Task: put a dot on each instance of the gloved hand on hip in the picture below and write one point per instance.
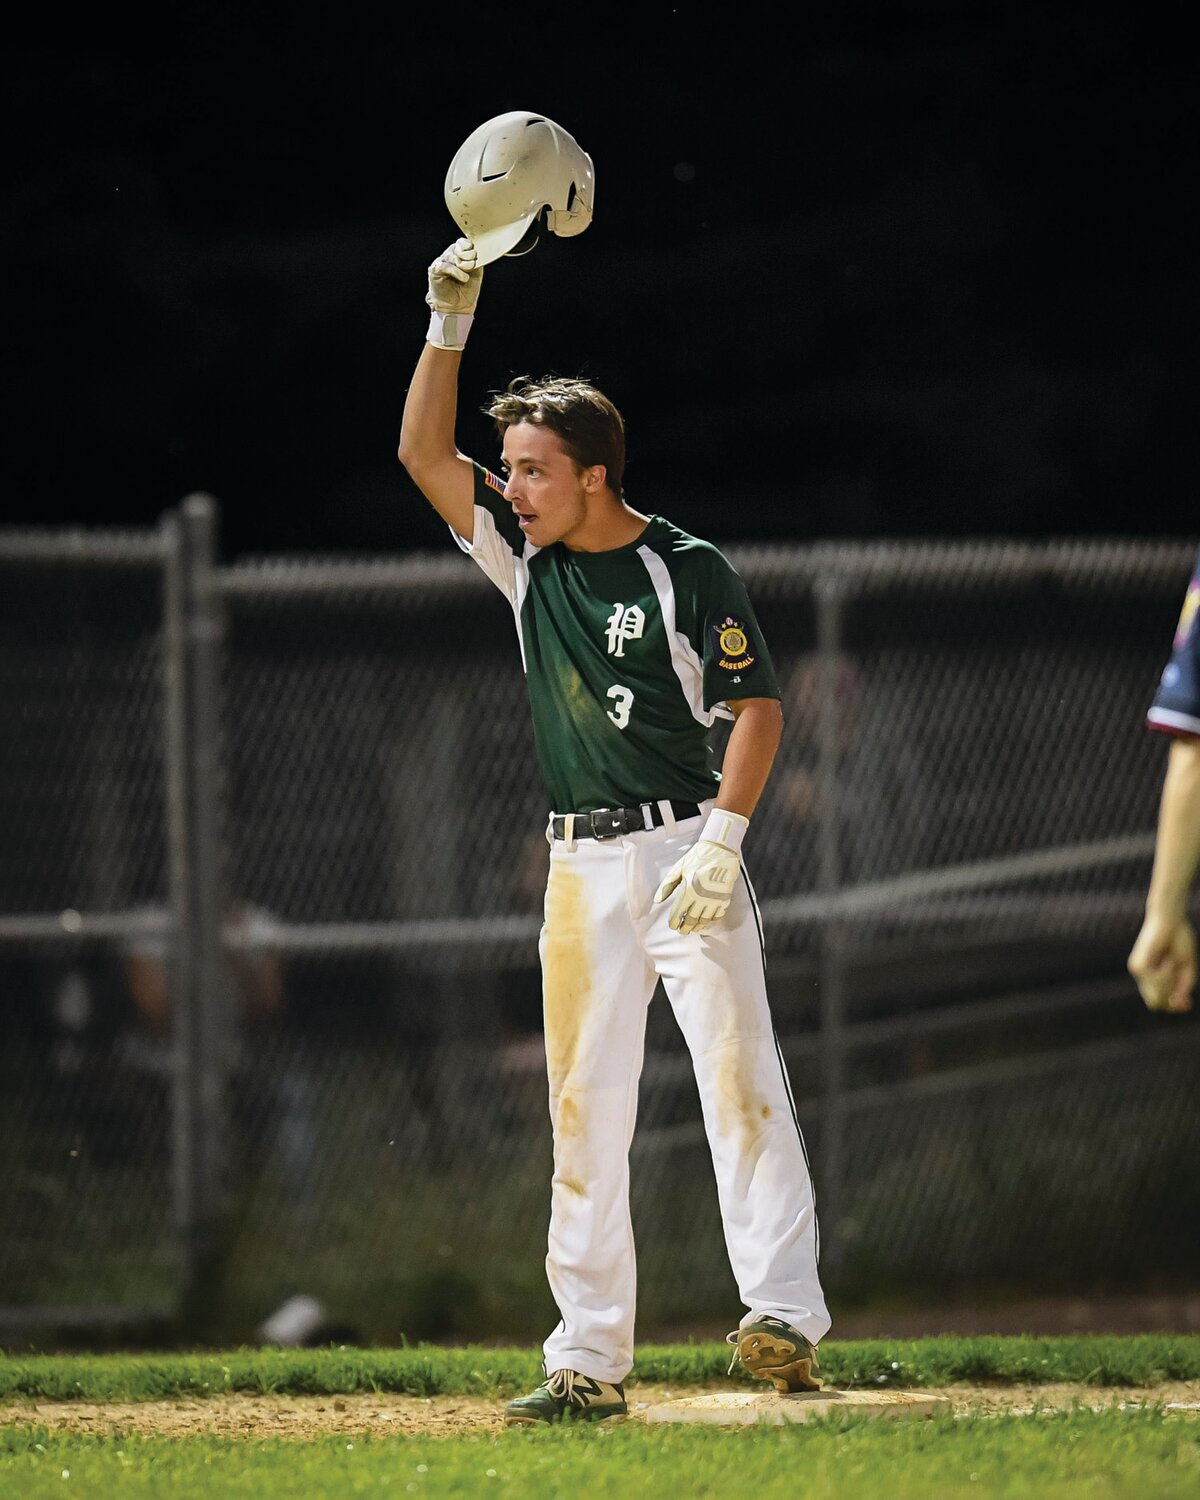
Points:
(703, 880)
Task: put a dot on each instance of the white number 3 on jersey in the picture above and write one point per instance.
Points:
(624, 702)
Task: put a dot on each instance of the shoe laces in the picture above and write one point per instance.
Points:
(732, 1338)
(580, 1391)
(561, 1385)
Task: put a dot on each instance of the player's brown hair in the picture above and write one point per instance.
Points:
(589, 426)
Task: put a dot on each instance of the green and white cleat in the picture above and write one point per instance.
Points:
(771, 1349)
(570, 1396)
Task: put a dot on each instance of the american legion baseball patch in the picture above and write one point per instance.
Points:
(734, 649)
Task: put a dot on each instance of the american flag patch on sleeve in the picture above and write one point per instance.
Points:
(494, 480)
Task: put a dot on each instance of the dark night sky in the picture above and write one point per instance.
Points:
(921, 270)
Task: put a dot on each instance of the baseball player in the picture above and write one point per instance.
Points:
(1163, 957)
(634, 637)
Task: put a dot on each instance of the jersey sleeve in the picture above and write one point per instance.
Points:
(734, 654)
(497, 541)
(1176, 705)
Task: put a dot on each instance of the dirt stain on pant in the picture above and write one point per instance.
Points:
(566, 986)
(741, 1115)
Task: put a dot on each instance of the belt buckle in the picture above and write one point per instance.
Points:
(615, 824)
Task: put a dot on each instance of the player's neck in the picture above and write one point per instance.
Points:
(609, 524)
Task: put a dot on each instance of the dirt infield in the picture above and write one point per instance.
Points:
(301, 1417)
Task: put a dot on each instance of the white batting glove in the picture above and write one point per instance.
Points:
(703, 880)
(454, 282)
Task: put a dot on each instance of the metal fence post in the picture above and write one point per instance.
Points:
(206, 1030)
(186, 1213)
(833, 940)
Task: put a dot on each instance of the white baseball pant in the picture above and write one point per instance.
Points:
(603, 945)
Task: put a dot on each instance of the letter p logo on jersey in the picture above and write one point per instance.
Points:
(624, 624)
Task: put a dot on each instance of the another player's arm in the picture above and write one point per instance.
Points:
(1163, 958)
(427, 449)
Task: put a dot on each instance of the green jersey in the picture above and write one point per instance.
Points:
(629, 655)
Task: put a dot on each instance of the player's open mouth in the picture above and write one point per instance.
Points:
(525, 521)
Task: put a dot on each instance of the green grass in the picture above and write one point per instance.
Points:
(1112, 1453)
(1142, 1450)
(429, 1369)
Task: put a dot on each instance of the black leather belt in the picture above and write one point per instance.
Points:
(611, 822)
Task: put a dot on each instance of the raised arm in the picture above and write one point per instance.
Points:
(427, 447)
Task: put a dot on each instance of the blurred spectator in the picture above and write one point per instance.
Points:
(255, 971)
(114, 1110)
(272, 1091)
(112, 1044)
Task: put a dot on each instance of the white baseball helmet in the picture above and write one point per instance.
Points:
(512, 175)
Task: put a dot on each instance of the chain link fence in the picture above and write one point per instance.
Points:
(271, 867)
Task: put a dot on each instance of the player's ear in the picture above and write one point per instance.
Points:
(595, 477)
